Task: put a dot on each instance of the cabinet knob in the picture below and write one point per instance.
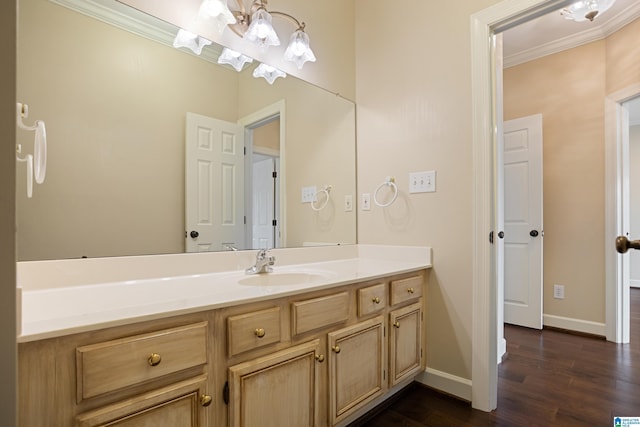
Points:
(260, 332)
(410, 290)
(154, 359)
(376, 300)
(336, 349)
(205, 400)
(396, 324)
(320, 358)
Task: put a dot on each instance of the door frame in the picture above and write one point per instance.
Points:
(249, 123)
(484, 24)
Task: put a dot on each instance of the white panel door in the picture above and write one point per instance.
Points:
(263, 204)
(523, 221)
(214, 180)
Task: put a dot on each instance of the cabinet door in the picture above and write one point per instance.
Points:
(277, 390)
(179, 405)
(356, 367)
(405, 354)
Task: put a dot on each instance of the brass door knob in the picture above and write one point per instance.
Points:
(154, 359)
(336, 349)
(396, 324)
(205, 400)
(320, 358)
(376, 300)
(410, 290)
(260, 332)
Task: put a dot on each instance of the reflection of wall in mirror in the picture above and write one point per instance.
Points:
(115, 106)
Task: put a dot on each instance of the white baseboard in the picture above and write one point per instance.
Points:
(577, 325)
(447, 383)
(502, 349)
(634, 283)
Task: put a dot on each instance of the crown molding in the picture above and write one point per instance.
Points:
(132, 20)
(598, 33)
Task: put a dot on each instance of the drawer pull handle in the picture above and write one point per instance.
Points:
(154, 359)
(376, 300)
(410, 290)
(320, 358)
(396, 324)
(205, 400)
(260, 332)
(336, 349)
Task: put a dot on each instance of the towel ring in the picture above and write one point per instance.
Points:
(326, 190)
(389, 182)
(36, 162)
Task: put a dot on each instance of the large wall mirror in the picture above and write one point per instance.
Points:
(122, 111)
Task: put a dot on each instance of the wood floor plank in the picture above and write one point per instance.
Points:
(549, 378)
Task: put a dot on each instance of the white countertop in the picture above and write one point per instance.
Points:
(57, 310)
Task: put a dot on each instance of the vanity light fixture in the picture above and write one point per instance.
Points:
(269, 73)
(233, 58)
(254, 24)
(192, 41)
(586, 9)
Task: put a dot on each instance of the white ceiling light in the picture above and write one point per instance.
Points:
(218, 12)
(268, 72)
(189, 40)
(233, 58)
(586, 9)
(298, 50)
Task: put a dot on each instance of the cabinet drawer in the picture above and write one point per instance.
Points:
(253, 330)
(112, 365)
(372, 299)
(406, 289)
(319, 312)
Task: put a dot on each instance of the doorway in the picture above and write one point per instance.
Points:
(485, 123)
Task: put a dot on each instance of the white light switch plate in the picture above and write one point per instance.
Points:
(366, 201)
(308, 194)
(422, 182)
(348, 203)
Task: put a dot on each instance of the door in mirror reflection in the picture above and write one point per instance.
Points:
(214, 182)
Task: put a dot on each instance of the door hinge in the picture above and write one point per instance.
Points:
(274, 174)
(491, 237)
(245, 220)
(225, 393)
(245, 151)
(274, 222)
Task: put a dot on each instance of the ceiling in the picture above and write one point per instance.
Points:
(552, 33)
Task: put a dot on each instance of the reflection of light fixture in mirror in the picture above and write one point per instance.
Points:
(233, 58)
(194, 42)
(218, 12)
(586, 9)
(254, 24)
(268, 72)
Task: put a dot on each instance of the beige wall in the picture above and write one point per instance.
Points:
(413, 92)
(634, 184)
(8, 358)
(267, 136)
(568, 88)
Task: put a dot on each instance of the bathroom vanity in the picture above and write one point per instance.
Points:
(325, 337)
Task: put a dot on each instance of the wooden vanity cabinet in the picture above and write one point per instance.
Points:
(405, 350)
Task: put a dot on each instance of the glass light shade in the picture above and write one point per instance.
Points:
(261, 31)
(268, 72)
(218, 12)
(298, 50)
(586, 9)
(233, 58)
(189, 40)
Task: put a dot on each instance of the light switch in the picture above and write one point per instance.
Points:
(348, 203)
(366, 201)
(422, 182)
(308, 194)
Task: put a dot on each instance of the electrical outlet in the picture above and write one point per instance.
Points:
(348, 203)
(366, 201)
(558, 291)
(422, 182)
(309, 194)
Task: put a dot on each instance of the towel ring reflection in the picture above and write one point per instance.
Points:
(389, 182)
(36, 162)
(325, 190)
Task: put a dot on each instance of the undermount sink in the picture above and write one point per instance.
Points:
(284, 278)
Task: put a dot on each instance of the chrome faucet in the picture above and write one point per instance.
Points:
(263, 263)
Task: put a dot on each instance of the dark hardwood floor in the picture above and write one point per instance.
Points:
(549, 378)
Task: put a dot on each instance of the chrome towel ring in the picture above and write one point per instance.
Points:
(326, 191)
